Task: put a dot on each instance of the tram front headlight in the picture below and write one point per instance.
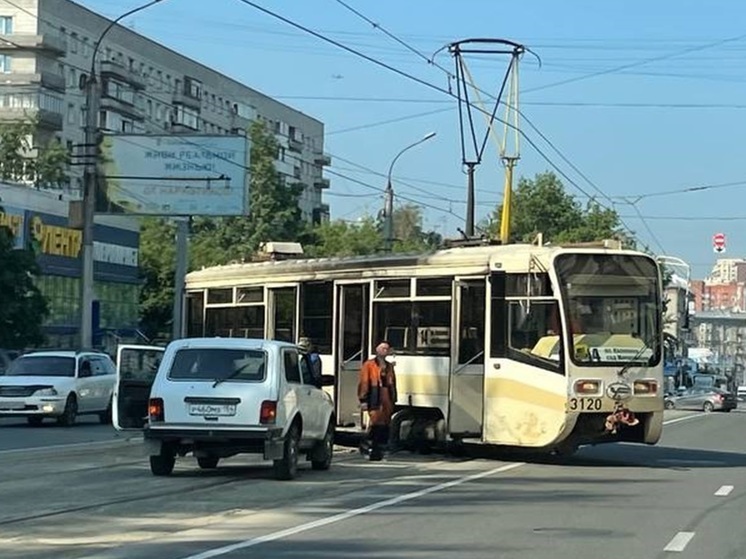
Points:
(587, 386)
(645, 387)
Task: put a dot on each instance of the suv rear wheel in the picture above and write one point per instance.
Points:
(287, 467)
(162, 464)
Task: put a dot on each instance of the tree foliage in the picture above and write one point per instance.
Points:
(157, 266)
(22, 306)
(45, 165)
(541, 205)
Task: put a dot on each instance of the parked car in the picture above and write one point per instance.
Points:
(218, 397)
(700, 398)
(58, 384)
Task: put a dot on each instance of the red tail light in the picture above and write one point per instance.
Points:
(268, 412)
(155, 409)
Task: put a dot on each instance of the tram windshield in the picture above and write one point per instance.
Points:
(612, 308)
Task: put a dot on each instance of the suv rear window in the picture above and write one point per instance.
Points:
(218, 364)
(42, 367)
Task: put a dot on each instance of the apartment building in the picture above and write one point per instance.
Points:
(47, 45)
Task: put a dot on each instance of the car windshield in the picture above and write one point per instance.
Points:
(42, 366)
(219, 364)
(612, 308)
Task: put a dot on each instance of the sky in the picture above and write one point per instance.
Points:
(638, 104)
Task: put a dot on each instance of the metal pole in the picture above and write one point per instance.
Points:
(507, 200)
(470, 166)
(89, 209)
(388, 207)
(182, 246)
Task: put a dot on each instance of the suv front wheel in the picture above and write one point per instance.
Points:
(287, 467)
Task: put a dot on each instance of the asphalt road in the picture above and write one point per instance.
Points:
(684, 498)
(17, 434)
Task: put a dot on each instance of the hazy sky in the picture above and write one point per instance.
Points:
(641, 98)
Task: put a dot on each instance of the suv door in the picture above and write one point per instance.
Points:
(136, 370)
(318, 400)
(297, 392)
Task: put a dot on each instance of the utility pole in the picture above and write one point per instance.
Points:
(388, 205)
(90, 183)
(182, 242)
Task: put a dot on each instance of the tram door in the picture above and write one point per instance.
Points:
(466, 385)
(352, 341)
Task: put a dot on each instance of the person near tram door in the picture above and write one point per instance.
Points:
(376, 392)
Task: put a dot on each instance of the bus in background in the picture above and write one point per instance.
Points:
(543, 347)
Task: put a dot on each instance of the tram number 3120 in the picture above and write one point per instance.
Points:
(585, 404)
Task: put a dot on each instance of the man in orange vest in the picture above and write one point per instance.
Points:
(376, 391)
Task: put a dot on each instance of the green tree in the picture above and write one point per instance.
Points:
(541, 205)
(51, 165)
(409, 233)
(16, 143)
(157, 265)
(342, 238)
(22, 306)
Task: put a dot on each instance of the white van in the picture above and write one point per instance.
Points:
(217, 397)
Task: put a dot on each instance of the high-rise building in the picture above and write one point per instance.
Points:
(46, 46)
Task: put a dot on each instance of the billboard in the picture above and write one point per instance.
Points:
(13, 219)
(173, 175)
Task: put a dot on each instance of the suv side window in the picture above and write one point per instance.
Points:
(292, 370)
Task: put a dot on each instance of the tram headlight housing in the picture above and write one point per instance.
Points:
(645, 387)
(587, 387)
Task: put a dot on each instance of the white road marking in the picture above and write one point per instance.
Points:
(679, 541)
(685, 418)
(724, 491)
(274, 536)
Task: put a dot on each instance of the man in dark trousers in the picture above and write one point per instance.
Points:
(376, 392)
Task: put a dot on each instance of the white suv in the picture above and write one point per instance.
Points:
(58, 384)
(217, 397)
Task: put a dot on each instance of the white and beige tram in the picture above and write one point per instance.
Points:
(517, 345)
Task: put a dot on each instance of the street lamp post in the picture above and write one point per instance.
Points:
(92, 93)
(388, 207)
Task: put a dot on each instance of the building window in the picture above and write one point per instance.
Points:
(192, 88)
(186, 116)
(6, 25)
(5, 63)
(120, 91)
(74, 42)
(71, 114)
(72, 78)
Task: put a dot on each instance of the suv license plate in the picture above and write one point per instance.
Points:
(212, 409)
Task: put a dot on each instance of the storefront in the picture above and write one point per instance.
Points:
(39, 222)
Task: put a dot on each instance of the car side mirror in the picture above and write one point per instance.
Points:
(327, 380)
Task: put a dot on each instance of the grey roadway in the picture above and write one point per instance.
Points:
(683, 498)
(15, 433)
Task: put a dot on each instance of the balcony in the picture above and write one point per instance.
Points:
(321, 183)
(285, 168)
(49, 44)
(182, 98)
(48, 120)
(116, 70)
(45, 79)
(121, 107)
(323, 160)
(295, 145)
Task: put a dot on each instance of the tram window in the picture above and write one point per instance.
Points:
(219, 296)
(471, 336)
(249, 295)
(534, 331)
(528, 285)
(414, 328)
(235, 322)
(393, 288)
(316, 314)
(195, 303)
(434, 287)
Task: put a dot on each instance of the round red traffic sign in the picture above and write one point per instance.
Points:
(718, 241)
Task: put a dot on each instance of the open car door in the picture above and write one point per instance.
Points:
(137, 366)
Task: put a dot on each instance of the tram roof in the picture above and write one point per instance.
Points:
(462, 261)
